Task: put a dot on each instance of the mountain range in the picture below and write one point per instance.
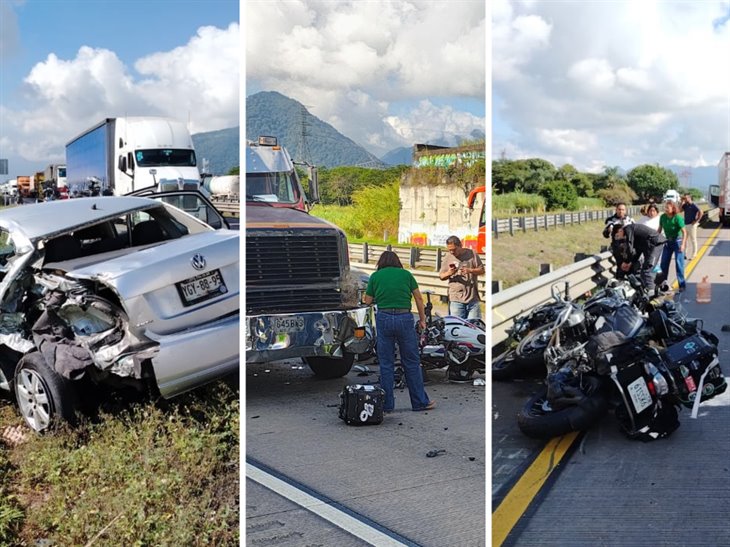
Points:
(306, 137)
(221, 149)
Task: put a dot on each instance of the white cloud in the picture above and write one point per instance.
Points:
(325, 54)
(431, 123)
(645, 79)
(64, 97)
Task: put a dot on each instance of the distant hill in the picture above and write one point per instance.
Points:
(700, 177)
(399, 156)
(271, 113)
(221, 148)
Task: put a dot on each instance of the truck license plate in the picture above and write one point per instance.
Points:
(201, 287)
(293, 323)
(639, 394)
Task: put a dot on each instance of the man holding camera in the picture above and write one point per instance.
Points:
(462, 268)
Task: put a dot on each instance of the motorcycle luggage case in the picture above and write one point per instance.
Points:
(362, 404)
(643, 417)
(688, 360)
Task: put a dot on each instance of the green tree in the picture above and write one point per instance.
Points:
(559, 195)
(651, 181)
(377, 209)
(618, 193)
(694, 192)
(610, 177)
(583, 184)
(234, 170)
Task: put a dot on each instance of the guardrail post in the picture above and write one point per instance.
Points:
(511, 226)
(496, 286)
(414, 257)
(388, 247)
(534, 219)
(438, 259)
(545, 269)
(496, 228)
(579, 256)
(365, 253)
(578, 218)
(546, 222)
(604, 248)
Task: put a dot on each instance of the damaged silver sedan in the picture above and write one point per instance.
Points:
(114, 290)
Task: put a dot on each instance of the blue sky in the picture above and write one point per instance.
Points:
(599, 84)
(386, 74)
(65, 65)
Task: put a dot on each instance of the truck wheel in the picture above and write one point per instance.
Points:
(330, 367)
(44, 397)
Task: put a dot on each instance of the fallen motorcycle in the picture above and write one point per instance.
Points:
(641, 367)
(530, 334)
(452, 342)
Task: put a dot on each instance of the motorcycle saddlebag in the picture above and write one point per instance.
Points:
(688, 360)
(362, 404)
(612, 348)
(642, 416)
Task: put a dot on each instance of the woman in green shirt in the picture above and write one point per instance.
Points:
(672, 224)
(391, 287)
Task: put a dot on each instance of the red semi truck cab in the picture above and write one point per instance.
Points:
(301, 297)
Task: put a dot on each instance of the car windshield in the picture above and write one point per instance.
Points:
(165, 156)
(279, 187)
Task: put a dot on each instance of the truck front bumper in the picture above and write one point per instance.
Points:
(309, 334)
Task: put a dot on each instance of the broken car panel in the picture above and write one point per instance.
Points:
(118, 289)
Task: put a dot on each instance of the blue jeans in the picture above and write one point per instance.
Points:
(672, 246)
(465, 311)
(399, 328)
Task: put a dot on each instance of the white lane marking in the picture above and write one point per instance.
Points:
(322, 509)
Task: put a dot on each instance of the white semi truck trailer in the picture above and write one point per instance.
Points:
(122, 155)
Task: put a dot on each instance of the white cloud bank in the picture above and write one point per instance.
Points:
(198, 81)
(350, 61)
(612, 83)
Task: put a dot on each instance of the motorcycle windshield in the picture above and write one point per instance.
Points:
(625, 319)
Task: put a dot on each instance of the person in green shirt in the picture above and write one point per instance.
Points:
(391, 288)
(672, 224)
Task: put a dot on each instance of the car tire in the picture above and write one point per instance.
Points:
(330, 367)
(44, 397)
(537, 422)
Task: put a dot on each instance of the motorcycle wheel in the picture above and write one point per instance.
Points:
(539, 421)
(529, 352)
(504, 366)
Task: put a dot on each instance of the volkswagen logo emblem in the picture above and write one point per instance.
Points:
(198, 262)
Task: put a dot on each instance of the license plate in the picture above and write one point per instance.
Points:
(294, 323)
(639, 394)
(201, 287)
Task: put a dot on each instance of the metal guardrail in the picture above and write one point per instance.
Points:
(583, 276)
(427, 281)
(414, 257)
(546, 221)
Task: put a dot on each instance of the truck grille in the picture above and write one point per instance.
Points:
(291, 273)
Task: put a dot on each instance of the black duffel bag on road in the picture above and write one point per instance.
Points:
(362, 404)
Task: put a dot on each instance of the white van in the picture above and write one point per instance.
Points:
(671, 195)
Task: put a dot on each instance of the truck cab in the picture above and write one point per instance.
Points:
(302, 300)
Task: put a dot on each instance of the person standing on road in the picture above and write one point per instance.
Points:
(462, 268)
(391, 288)
(651, 217)
(636, 249)
(672, 224)
(619, 217)
(692, 217)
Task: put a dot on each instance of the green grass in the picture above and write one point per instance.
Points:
(142, 476)
(517, 258)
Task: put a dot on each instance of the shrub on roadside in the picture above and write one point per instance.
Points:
(559, 195)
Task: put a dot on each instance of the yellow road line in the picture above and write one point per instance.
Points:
(696, 259)
(518, 499)
(524, 491)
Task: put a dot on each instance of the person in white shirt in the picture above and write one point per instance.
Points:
(650, 217)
